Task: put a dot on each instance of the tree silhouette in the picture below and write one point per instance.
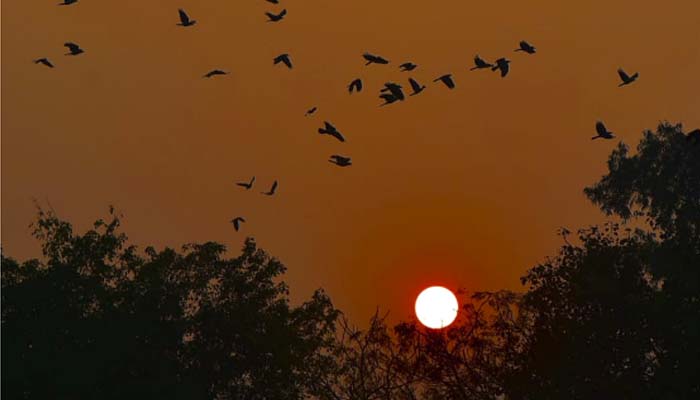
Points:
(95, 319)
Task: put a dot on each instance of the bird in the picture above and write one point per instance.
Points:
(602, 131)
(73, 49)
(372, 59)
(237, 223)
(447, 80)
(283, 58)
(276, 17)
(417, 87)
(67, 2)
(329, 129)
(272, 189)
(214, 72)
(340, 161)
(502, 64)
(44, 61)
(246, 185)
(479, 63)
(185, 19)
(394, 89)
(526, 47)
(388, 98)
(693, 136)
(273, 1)
(311, 111)
(626, 79)
(355, 85)
(407, 66)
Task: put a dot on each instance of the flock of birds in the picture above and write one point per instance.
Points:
(391, 92)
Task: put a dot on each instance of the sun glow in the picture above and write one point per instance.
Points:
(436, 307)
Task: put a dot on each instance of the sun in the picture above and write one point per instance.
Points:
(436, 307)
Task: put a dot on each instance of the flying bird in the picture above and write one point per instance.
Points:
(372, 59)
(215, 72)
(246, 185)
(407, 66)
(237, 223)
(283, 58)
(276, 17)
(417, 87)
(311, 111)
(340, 160)
(355, 85)
(394, 89)
(693, 136)
(272, 189)
(67, 2)
(502, 64)
(388, 99)
(44, 61)
(273, 1)
(185, 19)
(602, 131)
(626, 79)
(526, 47)
(479, 63)
(73, 49)
(329, 129)
(447, 80)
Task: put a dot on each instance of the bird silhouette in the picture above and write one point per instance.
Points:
(502, 64)
(407, 66)
(67, 2)
(185, 19)
(329, 129)
(417, 87)
(388, 99)
(283, 58)
(693, 136)
(626, 79)
(44, 61)
(447, 80)
(311, 111)
(340, 161)
(479, 63)
(394, 89)
(73, 49)
(526, 47)
(276, 17)
(272, 189)
(215, 72)
(602, 131)
(355, 85)
(246, 185)
(273, 1)
(237, 223)
(372, 59)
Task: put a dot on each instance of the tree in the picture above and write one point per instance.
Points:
(96, 319)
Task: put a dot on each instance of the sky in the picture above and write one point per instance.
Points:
(463, 188)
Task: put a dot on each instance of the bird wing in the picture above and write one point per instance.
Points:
(414, 85)
(183, 16)
(524, 45)
(449, 82)
(600, 128)
(274, 187)
(338, 136)
(623, 75)
(283, 13)
(329, 126)
(504, 69)
(287, 62)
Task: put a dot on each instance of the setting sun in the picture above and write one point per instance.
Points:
(436, 307)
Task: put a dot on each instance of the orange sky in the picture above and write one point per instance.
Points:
(464, 188)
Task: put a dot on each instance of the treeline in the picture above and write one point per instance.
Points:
(614, 315)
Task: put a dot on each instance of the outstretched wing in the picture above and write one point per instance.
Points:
(184, 18)
(287, 62)
(414, 85)
(600, 128)
(449, 82)
(623, 75)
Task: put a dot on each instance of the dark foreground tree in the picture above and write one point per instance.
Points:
(96, 319)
